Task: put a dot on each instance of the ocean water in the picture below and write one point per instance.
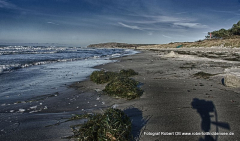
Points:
(30, 71)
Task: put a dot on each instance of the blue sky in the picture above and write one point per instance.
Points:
(82, 22)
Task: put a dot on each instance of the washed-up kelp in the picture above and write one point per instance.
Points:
(102, 76)
(123, 87)
(128, 73)
(203, 75)
(113, 125)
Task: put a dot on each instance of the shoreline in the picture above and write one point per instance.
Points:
(42, 117)
(167, 104)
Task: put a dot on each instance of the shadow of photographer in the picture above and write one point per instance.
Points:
(138, 121)
(204, 109)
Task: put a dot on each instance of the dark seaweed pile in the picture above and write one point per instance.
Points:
(119, 84)
(123, 87)
(102, 76)
(113, 125)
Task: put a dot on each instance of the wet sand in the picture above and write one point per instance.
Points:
(173, 101)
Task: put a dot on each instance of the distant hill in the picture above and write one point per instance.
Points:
(234, 41)
(117, 45)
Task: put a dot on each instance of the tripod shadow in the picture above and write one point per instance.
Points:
(204, 109)
(138, 122)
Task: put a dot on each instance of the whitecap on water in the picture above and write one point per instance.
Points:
(22, 110)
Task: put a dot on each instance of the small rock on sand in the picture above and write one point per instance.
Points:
(231, 80)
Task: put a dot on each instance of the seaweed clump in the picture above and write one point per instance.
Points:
(119, 85)
(102, 76)
(128, 73)
(113, 125)
(123, 87)
(204, 75)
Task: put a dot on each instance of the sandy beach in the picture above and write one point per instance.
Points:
(176, 101)
(175, 105)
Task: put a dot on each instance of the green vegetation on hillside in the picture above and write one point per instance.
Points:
(226, 33)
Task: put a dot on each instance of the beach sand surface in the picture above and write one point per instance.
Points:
(175, 102)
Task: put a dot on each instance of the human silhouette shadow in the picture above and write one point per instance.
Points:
(138, 122)
(204, 109)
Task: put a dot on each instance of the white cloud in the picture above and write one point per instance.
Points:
(147, 30)
(52, 23)
(149, 19)
(168, 19)
(5, 4)
(179, 13)
(166, 36)
(190, 25)
(129, 26)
